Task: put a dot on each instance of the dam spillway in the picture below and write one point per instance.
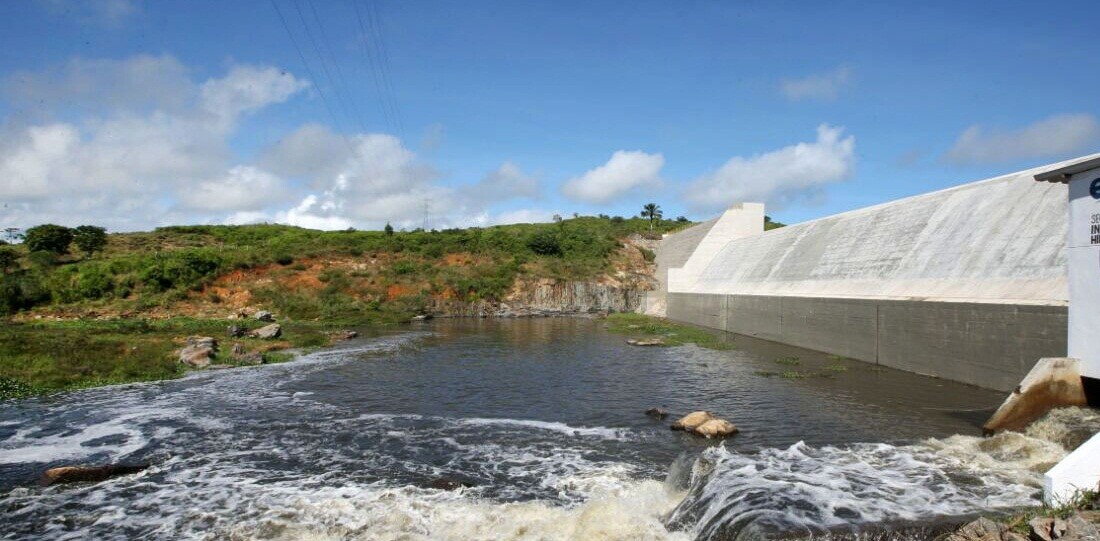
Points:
(967, 283)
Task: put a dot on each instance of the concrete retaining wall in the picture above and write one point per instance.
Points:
(991, 345)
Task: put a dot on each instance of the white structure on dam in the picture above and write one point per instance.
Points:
(967, 283)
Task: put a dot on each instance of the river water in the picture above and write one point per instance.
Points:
(544, 417)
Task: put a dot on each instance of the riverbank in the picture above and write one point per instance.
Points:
(51, 356)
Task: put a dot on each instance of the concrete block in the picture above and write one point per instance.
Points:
(1078, 471)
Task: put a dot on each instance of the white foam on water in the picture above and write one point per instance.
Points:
(807, 489)
(25, 446)
(599, 431)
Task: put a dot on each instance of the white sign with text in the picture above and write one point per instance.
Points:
(1084, 271)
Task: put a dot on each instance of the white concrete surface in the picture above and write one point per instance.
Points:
(740, 221)
(1078, 471)
(673, 251)
(1001, 240)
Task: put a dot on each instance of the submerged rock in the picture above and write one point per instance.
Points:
(656, 412)
(449, 483)
(84, 474)
(267, 332)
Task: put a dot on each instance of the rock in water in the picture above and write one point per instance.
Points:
(692, 420)
(656, 412)
(268, 332)
(83, 474)
(264, 315)
(346, 335)
(448, 483)
(716, 428)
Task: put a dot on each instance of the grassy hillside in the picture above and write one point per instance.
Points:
(307, 274)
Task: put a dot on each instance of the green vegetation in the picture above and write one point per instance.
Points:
(672, 334)
(56, 356)
(652, 212)
(1086, 500)
(140, 271)
(789, 361)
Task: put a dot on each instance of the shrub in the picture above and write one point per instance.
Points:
(184, 269)
(544, 242)
(49, 238)
(90, 239)
(9, 259)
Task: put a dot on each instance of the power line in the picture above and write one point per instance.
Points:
(373, 66)
(317, 50)
(309, 71)
(375, 23)
(343, 83)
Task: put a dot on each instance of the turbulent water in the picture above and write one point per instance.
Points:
(544, 418)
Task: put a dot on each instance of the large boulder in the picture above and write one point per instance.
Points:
(716, 428)
(264, 315)
(267, 332)
(692, 420)
(83, 474)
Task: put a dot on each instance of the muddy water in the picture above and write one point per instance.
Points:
(543, 417)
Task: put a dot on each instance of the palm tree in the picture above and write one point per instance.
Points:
(653, 212)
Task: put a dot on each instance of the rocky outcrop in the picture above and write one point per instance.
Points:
(547, 297)
(87, 474)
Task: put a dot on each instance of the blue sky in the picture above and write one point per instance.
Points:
(133, 115)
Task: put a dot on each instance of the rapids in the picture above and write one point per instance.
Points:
(544, 418)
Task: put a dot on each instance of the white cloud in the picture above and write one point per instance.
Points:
(625, 171)
(820, 86)
(1053, 137)
(505, 182)
(242, 188)
(130, 167)
(248, 88)
(794, 172)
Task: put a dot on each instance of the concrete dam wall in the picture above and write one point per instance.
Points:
(967, 283)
